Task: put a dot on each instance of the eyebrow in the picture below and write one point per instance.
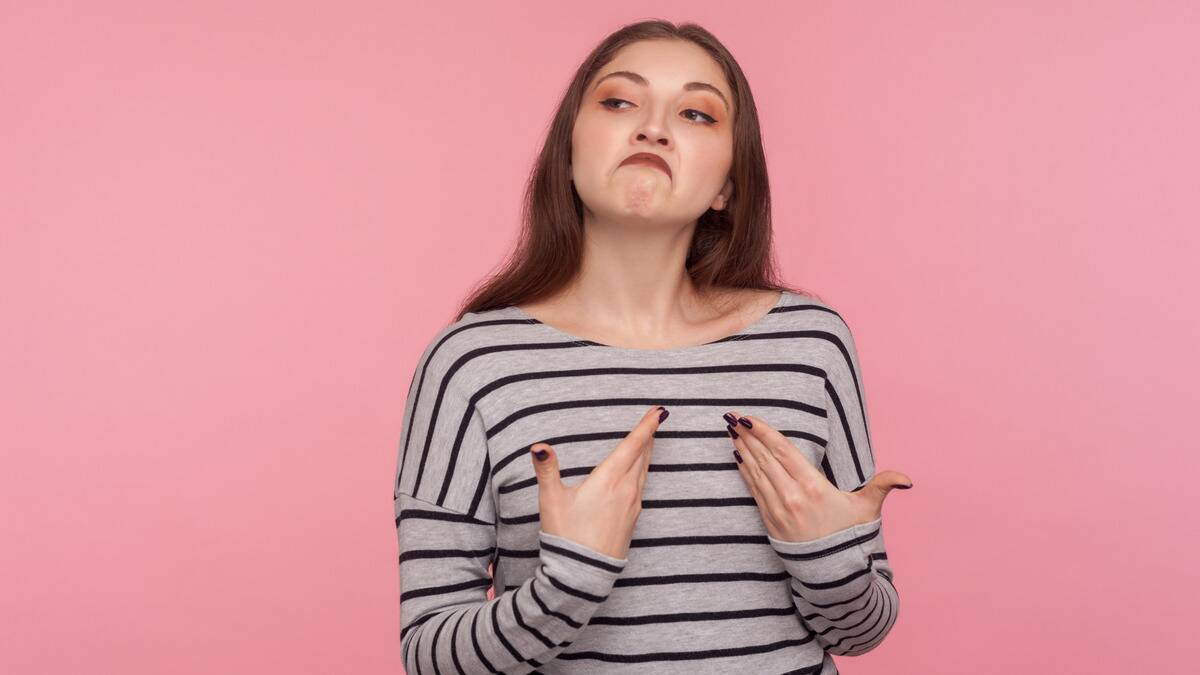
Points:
(690, 86)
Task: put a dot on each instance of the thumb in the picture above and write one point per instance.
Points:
(882, 483)
(545, 467)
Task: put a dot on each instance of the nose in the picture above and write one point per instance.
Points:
(658, 137)
(654, 129)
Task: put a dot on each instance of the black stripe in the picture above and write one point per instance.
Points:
(433, 648)
(617, 435)
(697, 503)
(415, 623)
(448, 588)
(475, 640)
(495, 607)
(819, 605)
(568, 553)
(675, 467)
(689, 655)
(419, 554)
(447, 516)
(684, 617)
(695, 578)
(550, 644)
(670, 402)
(546, 608)
(808, 670)
(454, 644)
(867, 593)
(846, 431)
(571, 590)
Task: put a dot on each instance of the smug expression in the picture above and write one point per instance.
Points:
(649, 159)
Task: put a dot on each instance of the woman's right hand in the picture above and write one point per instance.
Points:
(599, 512)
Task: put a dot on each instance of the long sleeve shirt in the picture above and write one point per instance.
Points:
(703, 588)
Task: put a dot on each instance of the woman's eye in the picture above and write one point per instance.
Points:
(615, 101)
(606, 101)
(706, 117)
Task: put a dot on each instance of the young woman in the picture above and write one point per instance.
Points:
(745, 531)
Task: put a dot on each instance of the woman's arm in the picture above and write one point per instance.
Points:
(446, 617)
(446, 528)
(842, 583)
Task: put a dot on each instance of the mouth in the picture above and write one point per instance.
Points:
(648, 159)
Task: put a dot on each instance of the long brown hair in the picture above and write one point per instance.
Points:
(730, 248)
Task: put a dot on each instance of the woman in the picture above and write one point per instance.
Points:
(753, 514)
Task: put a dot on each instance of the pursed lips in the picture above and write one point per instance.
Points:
(648, 159)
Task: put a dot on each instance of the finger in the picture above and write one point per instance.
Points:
(794, 462)
(744, 470)
(629, 451)
(870, 495)
(882, 483)
(642, 466)
(781, 481)
(768, 496)
(545, 468)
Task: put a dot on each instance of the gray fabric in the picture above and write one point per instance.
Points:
(704, 588)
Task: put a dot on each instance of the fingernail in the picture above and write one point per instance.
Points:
(738, 456)
(663, 415)
(732, 433)
(904, 487)
(540, 454)
(729, 417)
(660, 408)
(745, 422)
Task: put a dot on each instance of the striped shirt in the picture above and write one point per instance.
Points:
(703, 588)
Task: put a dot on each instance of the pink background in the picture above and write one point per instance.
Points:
(229, 229)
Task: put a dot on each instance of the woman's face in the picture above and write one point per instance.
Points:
(646, 100)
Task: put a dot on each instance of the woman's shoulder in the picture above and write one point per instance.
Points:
(481, 322)
(810, 304)
(470, 336)
(820, 319)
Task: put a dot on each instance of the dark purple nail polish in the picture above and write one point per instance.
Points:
(732, 433)
(540, 454)
(904, 487)
(730, 418)
(663, 415)
(738, 456)
(745, 422)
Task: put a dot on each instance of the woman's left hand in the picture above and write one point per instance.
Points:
(797, 501)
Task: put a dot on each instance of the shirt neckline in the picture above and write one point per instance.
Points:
(686, 349)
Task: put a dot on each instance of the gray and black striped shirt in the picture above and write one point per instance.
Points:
(703, 588)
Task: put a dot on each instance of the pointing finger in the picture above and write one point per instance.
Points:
(629, 451)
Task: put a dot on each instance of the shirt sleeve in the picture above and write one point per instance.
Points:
(841, 583)
(446, 530)
(449, 625)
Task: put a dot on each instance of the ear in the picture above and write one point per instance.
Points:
(722, 198)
